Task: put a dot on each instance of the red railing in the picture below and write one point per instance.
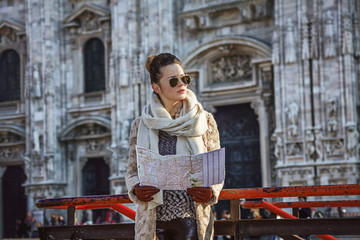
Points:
(236, 197)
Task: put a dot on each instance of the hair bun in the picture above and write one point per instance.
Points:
(149, 61)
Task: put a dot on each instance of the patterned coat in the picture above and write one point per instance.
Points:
(145, 222)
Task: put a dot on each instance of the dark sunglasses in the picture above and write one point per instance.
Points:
(174, 80)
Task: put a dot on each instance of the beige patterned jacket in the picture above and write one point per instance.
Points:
(145, 222)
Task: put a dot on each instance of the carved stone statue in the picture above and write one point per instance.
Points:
(310, 145)
(290, 44)
(318, 144)
(347, 40)
(329, 36)
(36, 141)
(352, 139)
(279, 145)
(292, 112)
(305, 48)
(332, 123)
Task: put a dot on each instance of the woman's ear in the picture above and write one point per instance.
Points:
(156, 88)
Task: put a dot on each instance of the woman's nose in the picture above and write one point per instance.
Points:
(180, 82)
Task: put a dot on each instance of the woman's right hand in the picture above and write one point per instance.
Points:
(145, 193)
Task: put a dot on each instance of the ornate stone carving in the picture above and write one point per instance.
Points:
(8, 36)
(91, 130)
(352, 140)
(94, 146)
(305, 48)
(7, 153)
(334, 147)
(332, 124)
(294, 149)
(290, 43)
(347, 35)
(89, 22)
(292, 112)
(190, 23)
(8, 138)
(329, 36)
(231, 69)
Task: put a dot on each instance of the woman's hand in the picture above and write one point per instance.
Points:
(145, 193)
(200, 194)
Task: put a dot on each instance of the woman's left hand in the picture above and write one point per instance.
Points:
(200, 194)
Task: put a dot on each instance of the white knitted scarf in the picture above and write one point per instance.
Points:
(188, 127)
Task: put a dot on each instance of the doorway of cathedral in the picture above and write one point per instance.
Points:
(14, 201)
(95, 181)
(239, 134)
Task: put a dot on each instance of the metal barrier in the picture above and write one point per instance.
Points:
(237, 227)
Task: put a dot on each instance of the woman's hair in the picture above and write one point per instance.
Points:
(155, 62)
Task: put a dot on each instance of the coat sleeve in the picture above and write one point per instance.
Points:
(212, 142)
(132, 178)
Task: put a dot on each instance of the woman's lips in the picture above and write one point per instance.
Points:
(181, 91)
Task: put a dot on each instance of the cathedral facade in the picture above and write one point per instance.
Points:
(280, 76)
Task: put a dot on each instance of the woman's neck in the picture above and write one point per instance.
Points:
(170, 106)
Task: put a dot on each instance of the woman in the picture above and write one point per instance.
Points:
(173, 123)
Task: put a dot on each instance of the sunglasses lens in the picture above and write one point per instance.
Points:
(186, 79)
(173, 82)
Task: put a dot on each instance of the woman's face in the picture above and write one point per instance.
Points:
(167, 93)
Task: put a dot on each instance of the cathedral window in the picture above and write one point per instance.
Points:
(94, 65)
(9, 76)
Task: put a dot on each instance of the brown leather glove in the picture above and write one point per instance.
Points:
(200, 194)
(144, 193)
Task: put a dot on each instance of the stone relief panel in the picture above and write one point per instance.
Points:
(10, 154)
(294, 149)
(8, 36)
(12, 32)
(88, 22)
(334, 148)
(89, 130)
(94, 146)
(231, 69)
(10, 138)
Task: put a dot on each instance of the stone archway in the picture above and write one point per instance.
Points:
(233, 80)
(233, 71)
(86, 138)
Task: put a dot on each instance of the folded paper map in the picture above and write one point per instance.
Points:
(179, 172)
